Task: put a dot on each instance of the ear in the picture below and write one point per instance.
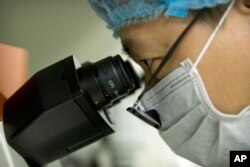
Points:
(243, 6)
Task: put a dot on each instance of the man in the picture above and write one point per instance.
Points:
(204, 111)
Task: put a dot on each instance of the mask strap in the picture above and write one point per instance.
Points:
(211, 38)
(169, 55)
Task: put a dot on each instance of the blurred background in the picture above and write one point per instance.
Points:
(51, 30)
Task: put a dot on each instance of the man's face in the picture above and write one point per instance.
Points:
(226, 61)
(152, 40)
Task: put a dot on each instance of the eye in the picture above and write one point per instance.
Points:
(147, 62)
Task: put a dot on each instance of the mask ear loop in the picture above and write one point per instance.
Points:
(168, 56)
(211, 38)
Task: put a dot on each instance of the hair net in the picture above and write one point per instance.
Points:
(118, 13)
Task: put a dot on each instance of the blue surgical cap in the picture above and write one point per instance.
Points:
(119, 13)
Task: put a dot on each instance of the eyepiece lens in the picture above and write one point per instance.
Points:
(106, 80)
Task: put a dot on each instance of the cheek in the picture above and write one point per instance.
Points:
(155, 65)
(167, 68)
(149, 71)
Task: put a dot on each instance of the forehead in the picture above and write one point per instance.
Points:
(150, 39)
(139, 44)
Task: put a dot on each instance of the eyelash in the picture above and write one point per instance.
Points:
(124, 51)
(146, 63)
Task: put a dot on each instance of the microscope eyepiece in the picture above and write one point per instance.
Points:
(106, 81)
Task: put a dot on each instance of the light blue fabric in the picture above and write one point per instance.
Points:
(118, 13)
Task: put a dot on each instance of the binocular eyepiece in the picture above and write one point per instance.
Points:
(64, 107)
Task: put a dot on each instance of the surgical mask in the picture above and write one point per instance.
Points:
(188, 121)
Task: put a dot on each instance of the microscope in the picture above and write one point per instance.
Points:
(64, 107)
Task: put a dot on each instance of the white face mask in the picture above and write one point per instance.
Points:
(190, 123)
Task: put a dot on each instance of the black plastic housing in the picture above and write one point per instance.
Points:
(51, 116)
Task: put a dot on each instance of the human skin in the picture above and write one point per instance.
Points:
(2, 100)
(13, 71)
(225, 67)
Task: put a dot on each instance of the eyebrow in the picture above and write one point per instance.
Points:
(126, 44)
(130, 45)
